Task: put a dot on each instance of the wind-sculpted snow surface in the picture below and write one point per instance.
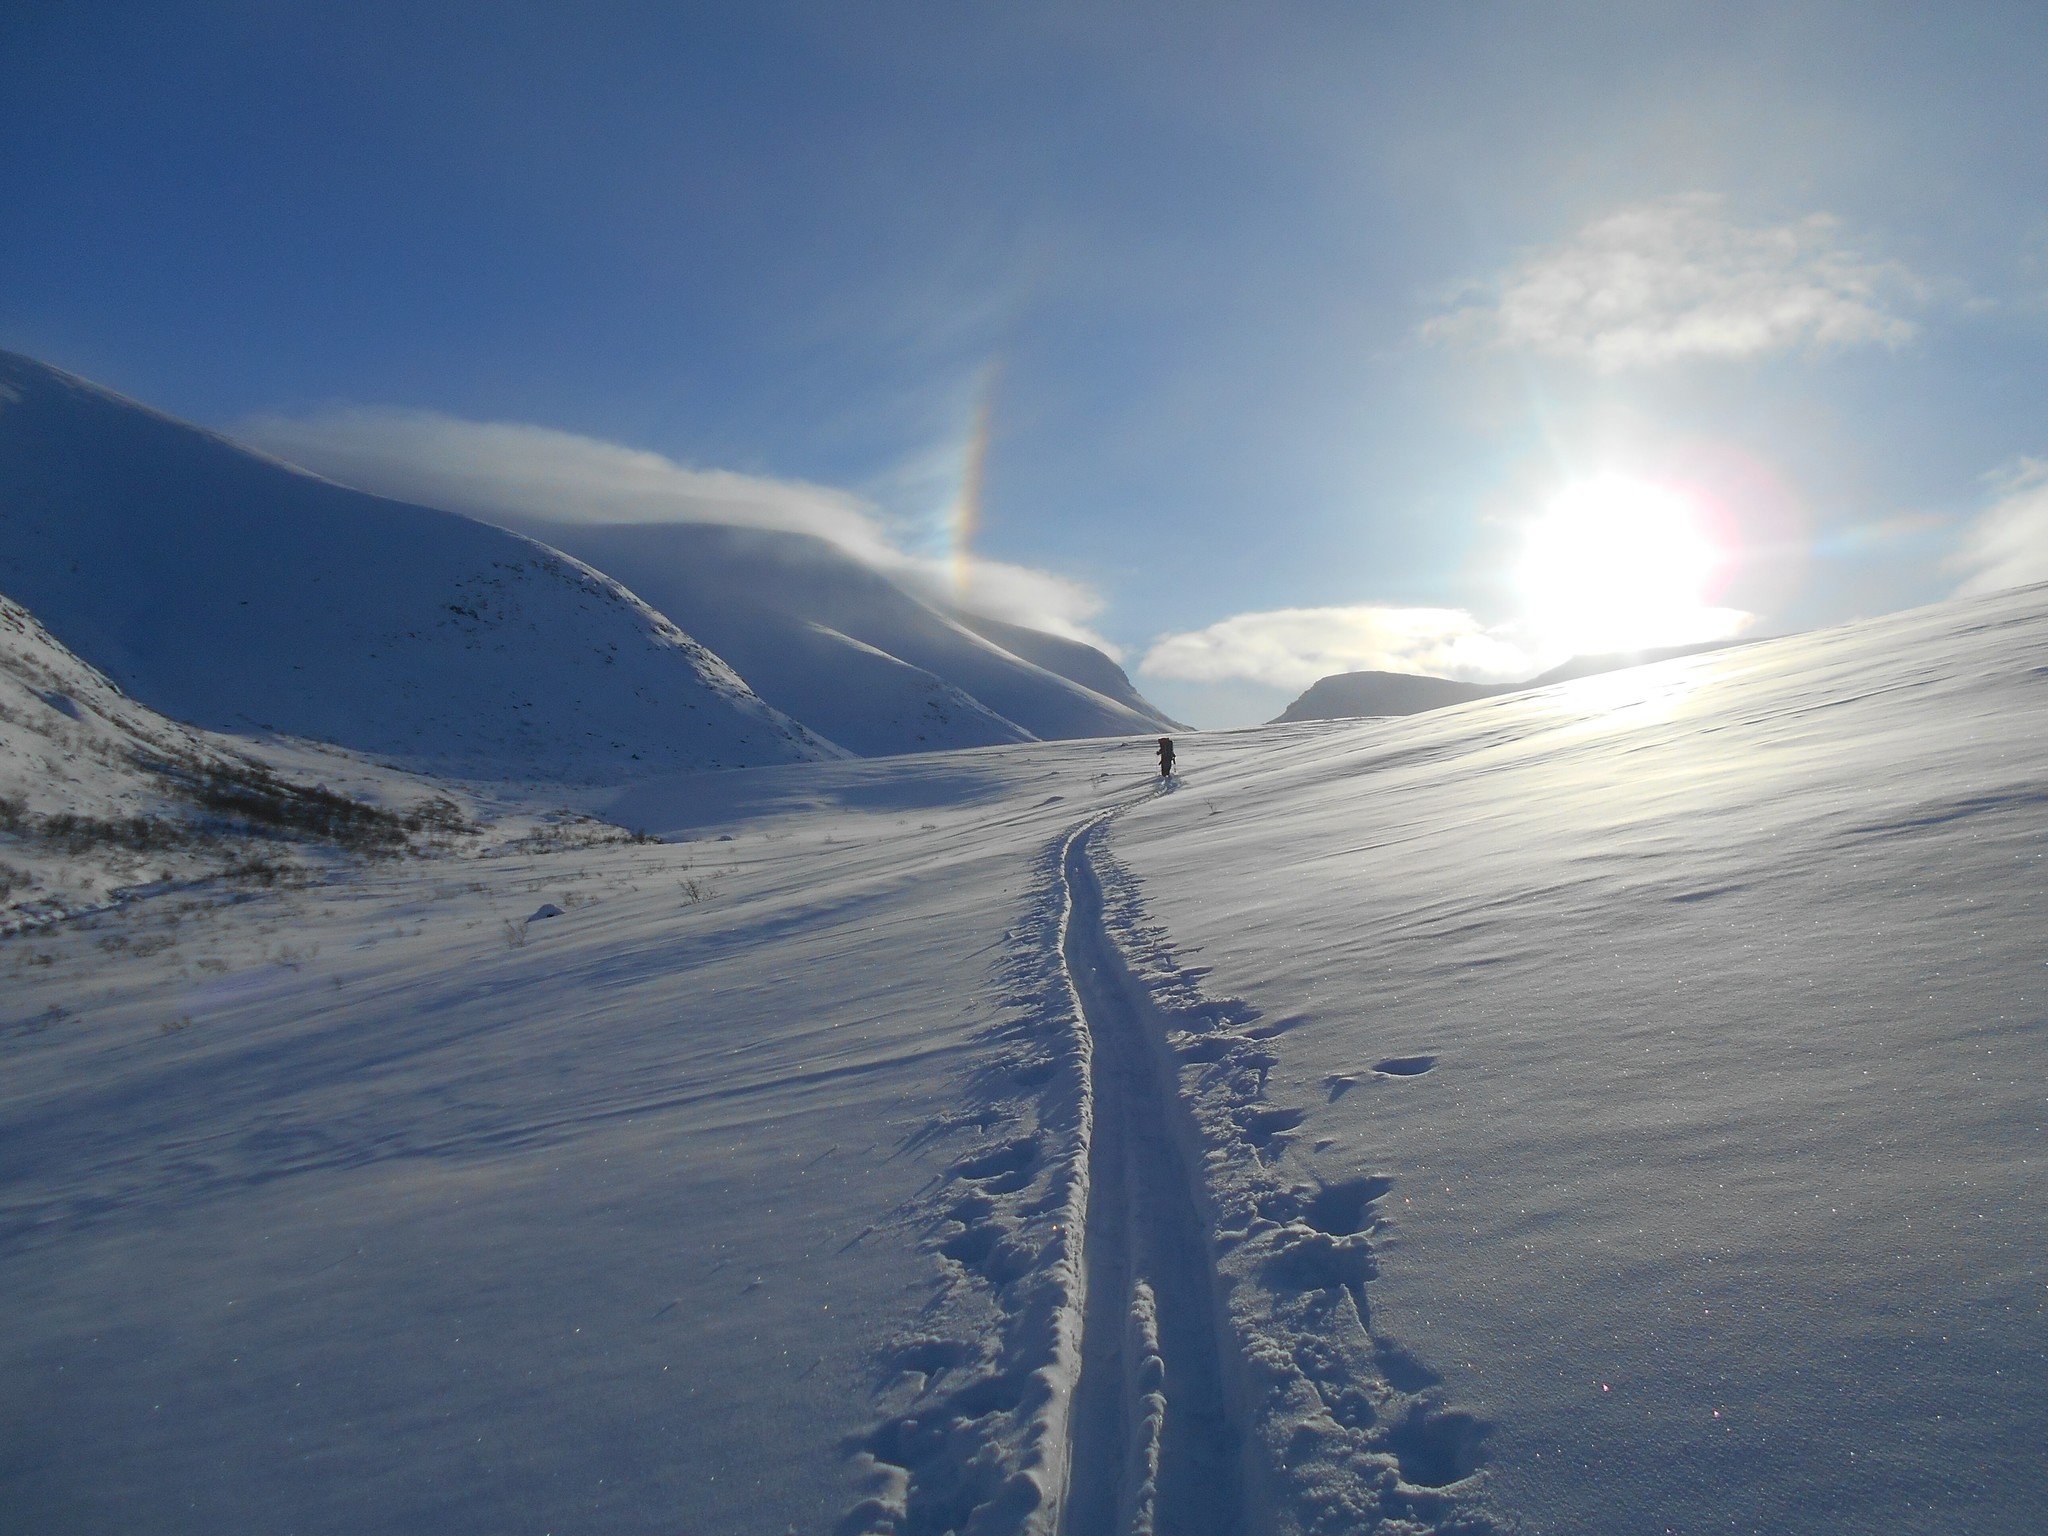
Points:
(1080, 1369)
(1612, 1108)
(1657, 1061)
(389, 1202)
(974, 1434)
(1304, 1420)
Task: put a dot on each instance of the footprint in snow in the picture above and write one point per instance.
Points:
(1003, 1170)
(1344, 1208)
(1310, 1259)
(1262, 1127)
(931, 1357)
(1404, 1066)
(1438, 1446)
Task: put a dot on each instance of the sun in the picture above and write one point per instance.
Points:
(1616, 564)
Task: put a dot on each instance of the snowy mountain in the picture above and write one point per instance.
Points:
(101, 796)
(228, 590)
(1361, 695)
(1356, 695)
(1615, 1107)
(1070, 659)
(851, 654)
(76, 759)
(70, 742)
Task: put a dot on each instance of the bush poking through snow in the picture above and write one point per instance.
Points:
(239, 800)
(254, 798)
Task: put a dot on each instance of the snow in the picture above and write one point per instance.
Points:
(1616, 1106)
(854, 656)
(230, 591)
(311, 1194)
(1070, 659)
(1721, 1204)
(100, 795)
(1356, 695)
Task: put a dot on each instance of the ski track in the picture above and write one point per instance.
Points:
(1155, 1433)
(1142, 1321)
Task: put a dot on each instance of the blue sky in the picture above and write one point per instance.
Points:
(1283, 322)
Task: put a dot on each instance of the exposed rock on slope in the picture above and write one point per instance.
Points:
(98, 792)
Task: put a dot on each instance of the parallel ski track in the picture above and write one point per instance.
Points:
(1154, 1440)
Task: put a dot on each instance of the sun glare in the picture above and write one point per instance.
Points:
(1615, 564)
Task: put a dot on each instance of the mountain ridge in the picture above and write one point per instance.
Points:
(1373, 694)
(235, 590)
(784, 608)
(229, 590)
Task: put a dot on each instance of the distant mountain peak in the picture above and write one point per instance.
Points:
(1366, 695)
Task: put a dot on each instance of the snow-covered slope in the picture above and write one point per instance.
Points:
(1361, 695)
(1670, 1048)
(1614, 661)
(1070, 659)
(70, 742)
(228, 590)
(415, 1215)
(813, 630)
(76, 761)
(1614, 1107)
(100, 795)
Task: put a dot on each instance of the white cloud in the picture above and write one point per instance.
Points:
(558, 477)
(1663, 281)
(1020, 594)
(530, 474)
(1293, 647)
(2007, 544)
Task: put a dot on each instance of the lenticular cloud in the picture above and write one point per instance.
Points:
(530, 476)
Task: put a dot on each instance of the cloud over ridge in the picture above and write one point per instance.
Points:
(1675, 279)
(533, 475)
(1293, 647)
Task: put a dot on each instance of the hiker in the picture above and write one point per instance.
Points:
(1165, 757)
